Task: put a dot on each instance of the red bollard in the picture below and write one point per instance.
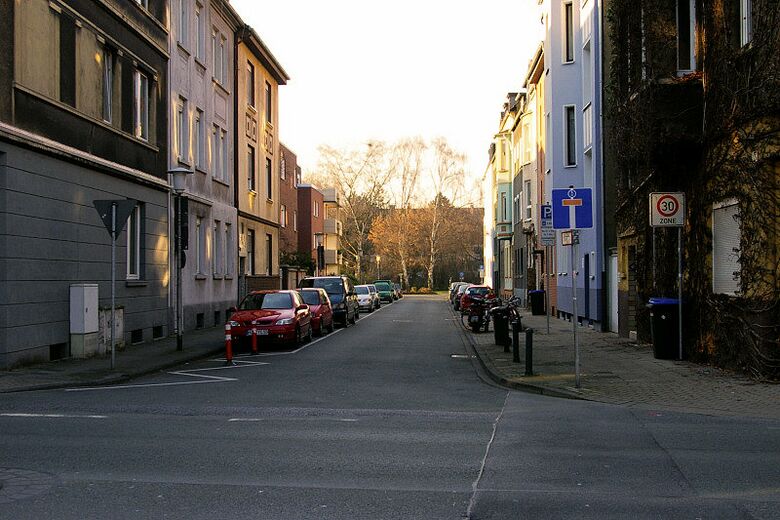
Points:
(228, 345)
(254, 341)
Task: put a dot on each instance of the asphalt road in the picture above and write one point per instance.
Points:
(377, 421)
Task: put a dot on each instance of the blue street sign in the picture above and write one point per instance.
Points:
(572, 208)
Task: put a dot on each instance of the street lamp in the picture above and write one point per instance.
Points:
(179, 185)
(378, 258)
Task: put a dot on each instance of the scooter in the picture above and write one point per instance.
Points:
(479, 313)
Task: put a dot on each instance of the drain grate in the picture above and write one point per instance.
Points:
(18, 484)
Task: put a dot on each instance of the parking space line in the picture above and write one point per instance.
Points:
(53, 416)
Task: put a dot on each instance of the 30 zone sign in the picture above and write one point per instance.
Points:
(667, 209)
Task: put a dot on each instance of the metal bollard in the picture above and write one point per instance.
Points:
(529, 352)
(254, 340)
(228, 344)
(516, 341)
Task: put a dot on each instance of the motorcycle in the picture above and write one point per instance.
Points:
(479, 312)
(503, 316)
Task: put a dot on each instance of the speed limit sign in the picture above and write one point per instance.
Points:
(667, 209)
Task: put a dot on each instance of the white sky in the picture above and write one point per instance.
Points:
(363, 69)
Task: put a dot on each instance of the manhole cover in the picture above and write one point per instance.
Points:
(18, 484)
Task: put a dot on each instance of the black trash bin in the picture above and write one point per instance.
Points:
(537, 302)
(664, 327)
(500, 317)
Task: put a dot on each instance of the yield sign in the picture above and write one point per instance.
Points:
(124, 207)
(572, 208)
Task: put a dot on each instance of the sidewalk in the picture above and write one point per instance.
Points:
(615, 370)
(131, 362)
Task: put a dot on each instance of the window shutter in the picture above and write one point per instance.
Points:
(725, 249)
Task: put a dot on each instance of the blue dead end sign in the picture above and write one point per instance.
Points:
(572, 208)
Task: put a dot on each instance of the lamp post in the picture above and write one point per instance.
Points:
(179, 184)
(378, 258)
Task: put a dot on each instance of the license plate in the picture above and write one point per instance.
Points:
(260, 332)
(474, 319)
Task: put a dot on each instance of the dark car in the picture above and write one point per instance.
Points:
(342, 296)
(321, 309)
(386, 290)
(274, 316)
(458, 294)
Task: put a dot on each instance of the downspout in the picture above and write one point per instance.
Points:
(602, 181)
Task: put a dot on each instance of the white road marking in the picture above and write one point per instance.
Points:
(260, 419)
(202, 378)
(54, 415)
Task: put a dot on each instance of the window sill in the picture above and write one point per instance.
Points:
(251, 109)
(183, 49)
(222, 87)
(570, 166)
(184, 163)
(217, 277)
(252, 192)
(220, 181)
(269, 201)
(228, 277)
(200, 277)
(572, 62)
(201, 170)
(136, 283)
(199, 63)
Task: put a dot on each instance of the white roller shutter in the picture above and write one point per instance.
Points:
(725, 248)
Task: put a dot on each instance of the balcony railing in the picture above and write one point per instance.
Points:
(332, 227)
(332, 256)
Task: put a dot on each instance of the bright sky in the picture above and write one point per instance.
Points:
(365, 70)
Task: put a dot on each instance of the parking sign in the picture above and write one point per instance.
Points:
(548, 231)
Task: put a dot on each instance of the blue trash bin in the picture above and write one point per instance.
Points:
(664, 327)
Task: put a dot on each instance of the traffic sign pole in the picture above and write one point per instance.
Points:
(548, 262)
(574, 315)
(679, 290)
(113, 282)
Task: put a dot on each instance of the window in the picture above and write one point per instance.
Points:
(200, 246)
(181, 127)
(200, 26)
(283, 215)
(571, 136)
(250, 252)
(228, 249)
(726, 235)
(134, 244)
(250, 159)
(141, 105)
(250, 84)
(528, 199)
(218, 44)
(568, 14)
(282, 167)
(199, 140)
(268, 106)
(215, 151)
(216, 253)
(295, 220)
(269, 247)
(108, 84)
(503, 207)
(746, 21)
(224, 155)
(316, 208)
(184, 22)
(269, 181)
(685, 35)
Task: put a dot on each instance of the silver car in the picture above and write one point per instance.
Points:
(365, 298)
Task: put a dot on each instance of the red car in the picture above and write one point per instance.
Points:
(320, 307)
(277, 316)
(481, 291)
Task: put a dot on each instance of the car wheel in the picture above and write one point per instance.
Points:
(309, 335)
(298, 337)
(331, 327)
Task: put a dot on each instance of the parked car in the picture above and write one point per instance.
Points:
(375, 295)
(321, 309)
(385, 288)
(454, 286)
(341, 293)
(276, 316)
(480, 291)
(366, 300)
(458, 294)
(398, 291)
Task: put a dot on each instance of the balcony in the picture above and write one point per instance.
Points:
(332, 257)
(330, 196)
(332, 227)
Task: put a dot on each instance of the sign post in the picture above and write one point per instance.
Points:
(573, 210)
(668, 210)
(114, 214)
(548, 241)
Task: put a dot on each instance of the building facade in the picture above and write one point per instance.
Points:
(289, 176)
(332, 230)
(201, 134)
(258, 77)
(311, 210)
(82, 118)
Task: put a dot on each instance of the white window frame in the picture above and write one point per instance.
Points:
(141, 105)
(566, 138)
(182, 131)
(283, 215)
(568, 33)
(108, 85)
(134, 244)
(200, 22)
(528, 201)
(199, 154)
(184, 23)
(692, 35)
(282, 167)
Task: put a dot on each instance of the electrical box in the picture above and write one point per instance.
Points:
(83, 308)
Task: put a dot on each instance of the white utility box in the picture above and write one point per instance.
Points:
(84, 323)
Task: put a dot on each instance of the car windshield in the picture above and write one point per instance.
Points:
(361, 289)
(310, 297)
(255, 302)
(331, 285)
(480, 291)
(383, 286)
